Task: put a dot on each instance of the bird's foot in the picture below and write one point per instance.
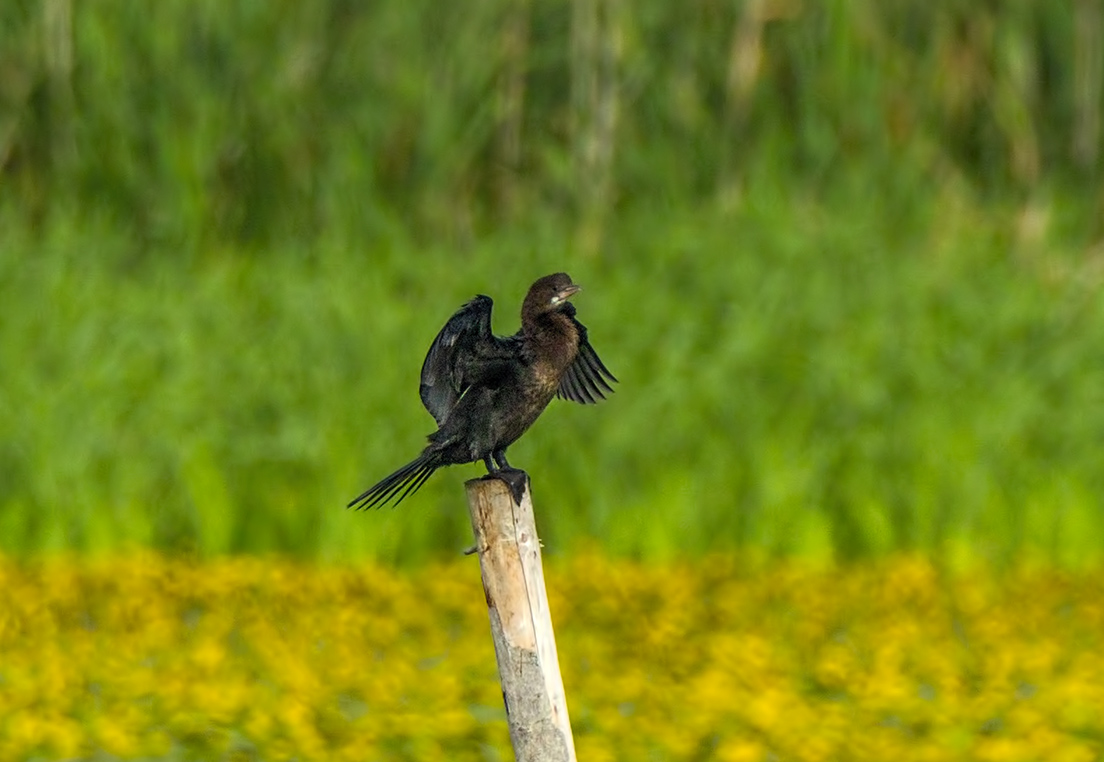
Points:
(516, 479)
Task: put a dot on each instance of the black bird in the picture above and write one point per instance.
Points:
(484, 390)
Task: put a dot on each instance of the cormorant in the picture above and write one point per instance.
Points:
(484, 390)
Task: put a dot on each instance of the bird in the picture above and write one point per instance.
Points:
(484, 391)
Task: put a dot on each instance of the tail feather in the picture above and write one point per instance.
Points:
(406, 481)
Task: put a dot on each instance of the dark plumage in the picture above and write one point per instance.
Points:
(484, 391)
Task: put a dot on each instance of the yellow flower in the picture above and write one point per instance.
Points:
(896, 660)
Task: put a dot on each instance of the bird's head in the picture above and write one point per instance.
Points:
(548, 294)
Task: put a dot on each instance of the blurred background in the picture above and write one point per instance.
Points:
(845, 258)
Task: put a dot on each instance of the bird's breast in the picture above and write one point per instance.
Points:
(546, 378)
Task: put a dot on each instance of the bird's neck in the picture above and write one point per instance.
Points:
(552, 338)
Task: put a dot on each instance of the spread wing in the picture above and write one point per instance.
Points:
(584, 381)
(464, 353)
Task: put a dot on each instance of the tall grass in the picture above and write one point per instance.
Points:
(795, 377)
(259, 123)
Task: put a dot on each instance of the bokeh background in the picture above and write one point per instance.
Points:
(845, 257)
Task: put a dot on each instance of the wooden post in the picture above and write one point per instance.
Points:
(521, 625)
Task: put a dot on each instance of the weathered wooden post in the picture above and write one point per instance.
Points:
(521, 625)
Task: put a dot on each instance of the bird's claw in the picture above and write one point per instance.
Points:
(514, 478)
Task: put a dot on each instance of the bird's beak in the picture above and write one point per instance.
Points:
(566, 293)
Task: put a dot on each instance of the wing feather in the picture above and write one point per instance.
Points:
(464, 353)
(595, 370)
(585, 380)
(577, 387)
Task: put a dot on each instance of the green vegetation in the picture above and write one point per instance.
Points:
(851, 289)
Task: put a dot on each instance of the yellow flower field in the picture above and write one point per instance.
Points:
(243, 659)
